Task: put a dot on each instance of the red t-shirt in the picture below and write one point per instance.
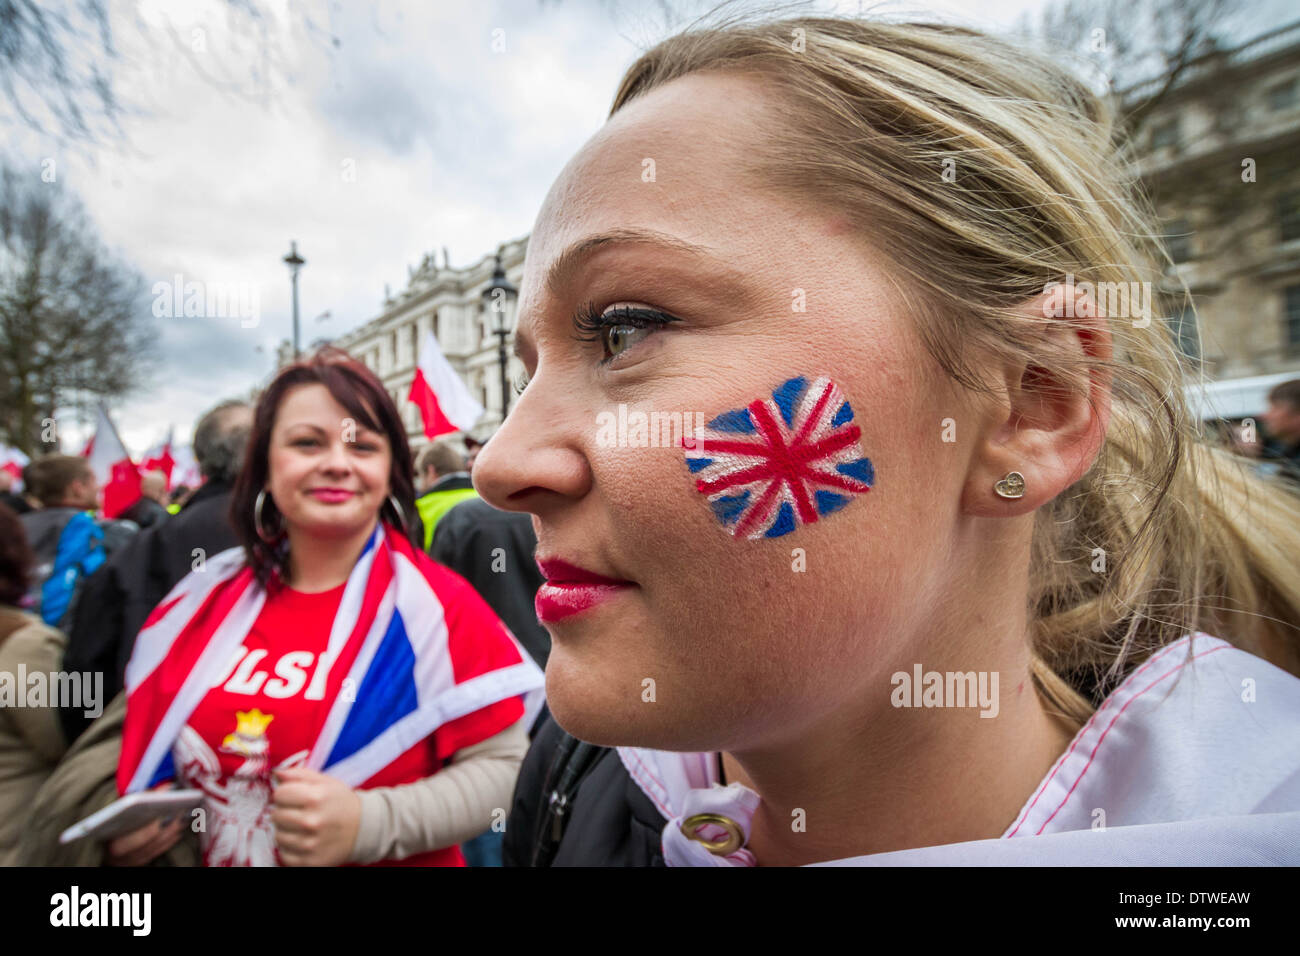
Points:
(261, 714)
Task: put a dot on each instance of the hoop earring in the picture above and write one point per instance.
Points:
(1012, 486)
(257, 518)
(401, 515)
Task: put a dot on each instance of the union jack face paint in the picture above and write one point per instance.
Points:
(781, 461)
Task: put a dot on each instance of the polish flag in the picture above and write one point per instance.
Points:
(13, 461)
(186, 470)
(444, 401)
(117, 474)
(159, 458)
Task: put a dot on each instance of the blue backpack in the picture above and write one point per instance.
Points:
(80, 553)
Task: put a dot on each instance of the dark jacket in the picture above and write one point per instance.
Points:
(146, 513)
(465, 539)
(118, 597)
(610, 821)
(17, 502)
(1281, 460)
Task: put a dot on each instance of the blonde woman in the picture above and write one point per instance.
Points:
(941, 571)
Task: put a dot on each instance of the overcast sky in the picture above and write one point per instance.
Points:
(448, 141)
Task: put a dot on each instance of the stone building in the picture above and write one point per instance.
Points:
(1218, 157)
(447, 301)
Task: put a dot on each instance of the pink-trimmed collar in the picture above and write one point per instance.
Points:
(1172, 743)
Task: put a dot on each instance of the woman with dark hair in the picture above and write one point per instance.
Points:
(31, 742)
(336, 695)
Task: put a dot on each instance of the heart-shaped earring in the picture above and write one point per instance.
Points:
(1012, 486)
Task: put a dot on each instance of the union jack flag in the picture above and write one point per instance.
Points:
(782, 461)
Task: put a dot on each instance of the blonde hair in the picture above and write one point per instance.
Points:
(875, 114)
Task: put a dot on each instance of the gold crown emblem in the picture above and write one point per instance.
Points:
(252, 723)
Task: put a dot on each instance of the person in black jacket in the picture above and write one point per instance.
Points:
(118, 597)
(493, 550)
(149, 508)
(582, 795)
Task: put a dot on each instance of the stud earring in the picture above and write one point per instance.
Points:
(1012, 486)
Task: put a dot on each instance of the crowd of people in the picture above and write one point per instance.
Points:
(431, 803)
(937, 494)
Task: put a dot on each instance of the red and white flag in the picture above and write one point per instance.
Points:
(117, 474)
(444, 401)
(186, 470)
(159, 458)
(13, 461)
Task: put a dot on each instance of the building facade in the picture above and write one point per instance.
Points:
(1218, 158)
(449, 303)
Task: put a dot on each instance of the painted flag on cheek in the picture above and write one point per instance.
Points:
(782, 461)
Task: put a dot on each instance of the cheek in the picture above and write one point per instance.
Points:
(788, 459)
(753, 537)
(376, 474)
(283, 469)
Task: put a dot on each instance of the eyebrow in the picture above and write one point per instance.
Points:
(575, 256)
(361, 427)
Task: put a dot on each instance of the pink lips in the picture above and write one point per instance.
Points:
(330, 495)
(570, 590)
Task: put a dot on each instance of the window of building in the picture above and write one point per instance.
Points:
(1178, 240)
(1288, 215)
(437, 333)
(1292, 314)
(1283, 95)
(1165, 133)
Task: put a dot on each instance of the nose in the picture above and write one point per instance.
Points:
(535, 461)
(337, 459)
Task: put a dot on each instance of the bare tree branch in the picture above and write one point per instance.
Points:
(73, 324)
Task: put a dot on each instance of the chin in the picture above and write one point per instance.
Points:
(587, 706)
(333, 526)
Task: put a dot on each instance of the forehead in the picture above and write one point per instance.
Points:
(676, 164)
(311, 404)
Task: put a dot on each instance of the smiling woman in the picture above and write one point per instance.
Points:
(851, 246)
(336, 695)
(328, 453)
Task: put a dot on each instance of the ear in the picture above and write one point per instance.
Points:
(1047, 425)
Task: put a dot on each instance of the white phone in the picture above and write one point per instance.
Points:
(132, 812)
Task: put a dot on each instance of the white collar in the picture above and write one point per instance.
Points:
(1217, 743)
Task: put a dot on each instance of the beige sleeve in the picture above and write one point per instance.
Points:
(448, 808)
(37, 647)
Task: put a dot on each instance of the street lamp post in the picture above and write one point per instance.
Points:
(496, 296)
(295, 263)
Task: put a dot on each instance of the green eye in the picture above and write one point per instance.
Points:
(620, 328)
(620, 337)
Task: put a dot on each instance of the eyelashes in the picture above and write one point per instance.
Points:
(592, 325)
